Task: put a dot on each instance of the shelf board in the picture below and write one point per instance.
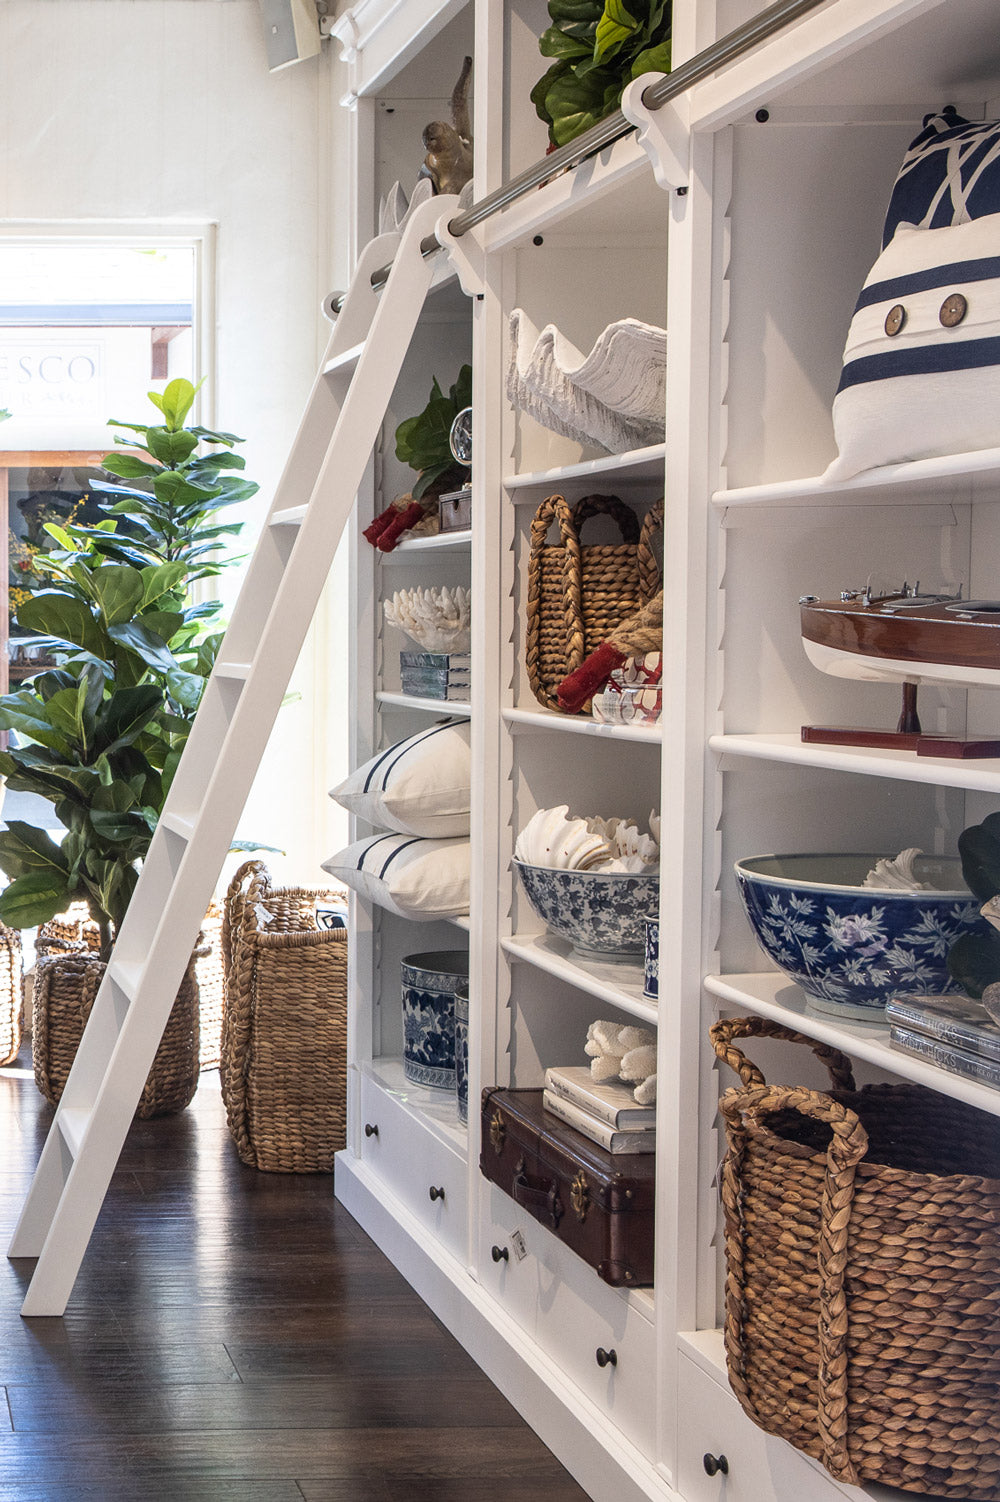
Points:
(441, 542)
(436, 1108)
(638, 464)
(771, 994)
(618, 984)
(462, 921)
(905, 766)
(920, 482)
(526, 720)
(442, 707)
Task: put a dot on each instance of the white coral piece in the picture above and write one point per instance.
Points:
(436, 619)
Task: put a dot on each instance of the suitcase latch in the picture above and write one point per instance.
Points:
(498, 1132)
(579, 1196)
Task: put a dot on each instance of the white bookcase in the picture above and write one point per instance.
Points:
(754, 269)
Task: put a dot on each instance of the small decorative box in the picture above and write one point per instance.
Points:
(455, 510)
(435, 675)
(632, 695)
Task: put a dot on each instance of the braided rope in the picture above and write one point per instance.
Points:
(723, 1032)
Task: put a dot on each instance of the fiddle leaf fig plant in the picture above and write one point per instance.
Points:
(974, 959)
(599, 46)
(422, 441)
(100, 735)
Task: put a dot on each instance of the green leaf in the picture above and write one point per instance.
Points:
(63, 616)
(210, 435)
(176, 401)
(170, 446)
(557, 43)
(24, 848)
(32, 900)
(129, 467)
(125, 716)
(653, 60)
(576, 10)
(616, 26)
(145, 644)
(539, 94)
(118, 591)
(29, 717)
(160, 580)
(578, 103)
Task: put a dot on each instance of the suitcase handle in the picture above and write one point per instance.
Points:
(538, 1195)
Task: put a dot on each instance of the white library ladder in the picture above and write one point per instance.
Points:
(276, 604)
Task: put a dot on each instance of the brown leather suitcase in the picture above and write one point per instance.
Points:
(599, 1203)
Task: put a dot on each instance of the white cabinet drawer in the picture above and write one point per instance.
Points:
(760, 1468)
(555, 1296)
(425, 1173)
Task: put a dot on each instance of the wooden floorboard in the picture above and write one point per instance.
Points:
(234, 1334)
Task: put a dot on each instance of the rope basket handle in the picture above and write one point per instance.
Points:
(722, 1033)
(554, 508)
(649, 570)
(848, 1146)
(608, 505)
(252, 876)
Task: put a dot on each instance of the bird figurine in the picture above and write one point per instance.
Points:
(448, 162)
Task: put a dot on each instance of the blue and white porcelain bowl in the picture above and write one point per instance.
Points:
(462, 1050)
(428, 986)
(601, 913)
(850, 947)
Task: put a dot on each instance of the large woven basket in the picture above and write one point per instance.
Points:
(210, 971)
(68, 974)
(284, 1032)
(863, 1273)
(578, 594)
(10, 994)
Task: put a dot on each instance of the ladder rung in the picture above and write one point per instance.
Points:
(291, 516)
(178, 824)
(128, 978)
(73, 1122)
(345, 361)
(232, 669)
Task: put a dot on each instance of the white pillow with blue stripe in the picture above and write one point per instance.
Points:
(921, 374)
(418, 786)
(412, 877)
(950, 173)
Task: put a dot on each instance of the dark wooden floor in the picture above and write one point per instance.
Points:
(236, 1335)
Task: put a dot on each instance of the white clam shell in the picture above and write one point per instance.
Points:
(552, 838)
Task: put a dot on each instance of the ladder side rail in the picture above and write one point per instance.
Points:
(69, 1189)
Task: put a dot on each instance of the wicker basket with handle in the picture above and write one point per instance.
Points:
(10, 994)
(284, 1029)
(863, 1273)
(578, 594)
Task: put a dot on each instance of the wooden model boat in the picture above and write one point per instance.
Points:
(905, 637)
(908, 638)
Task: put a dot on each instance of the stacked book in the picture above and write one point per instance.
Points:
(436, 675)
(606, 1112)
(953, 1032)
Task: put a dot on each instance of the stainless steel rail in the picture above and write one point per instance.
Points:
(729, 47)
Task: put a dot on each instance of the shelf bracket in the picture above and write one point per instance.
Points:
(662, 133)
(465, 252)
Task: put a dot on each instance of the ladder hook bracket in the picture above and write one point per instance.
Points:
(465, 252)
(662, 133)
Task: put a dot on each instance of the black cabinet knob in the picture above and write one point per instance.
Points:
(500, 1254)
(371, 1130)
(435, 1193)
(715, 1465)
(606, 1358)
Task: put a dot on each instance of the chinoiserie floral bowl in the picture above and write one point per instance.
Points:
(601, 913)
(852, 947)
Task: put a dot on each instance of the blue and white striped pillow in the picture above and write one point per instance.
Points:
(414, 878)
(950, 174)
(915, 382)
(418, 786)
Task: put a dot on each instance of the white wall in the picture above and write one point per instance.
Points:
(164, 110)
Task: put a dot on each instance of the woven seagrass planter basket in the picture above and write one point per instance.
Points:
(68, 974)
(863, 1273)
(579, 593)
(284, 1030)
(10, 994)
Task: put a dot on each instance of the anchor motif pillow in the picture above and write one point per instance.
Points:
(950, 174)
(921, 373)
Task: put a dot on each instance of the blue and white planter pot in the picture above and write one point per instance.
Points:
(852, 949)
(428, 988)
(462, 1050)
(601, 913)
(651, 972)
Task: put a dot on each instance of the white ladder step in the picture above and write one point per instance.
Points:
(127, 977)
(346, 361)
(239, 670)
(183, 825)
(73, 1122)
(289, 516)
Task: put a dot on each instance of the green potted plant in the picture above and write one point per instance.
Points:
(100, 734)
(422, 443)
(599, 46)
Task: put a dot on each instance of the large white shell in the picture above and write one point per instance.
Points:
(552, 837)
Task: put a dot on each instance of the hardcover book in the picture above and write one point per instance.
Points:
(610, 1100)
(957, 1020)
(972, 1066)
(613, 1140)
